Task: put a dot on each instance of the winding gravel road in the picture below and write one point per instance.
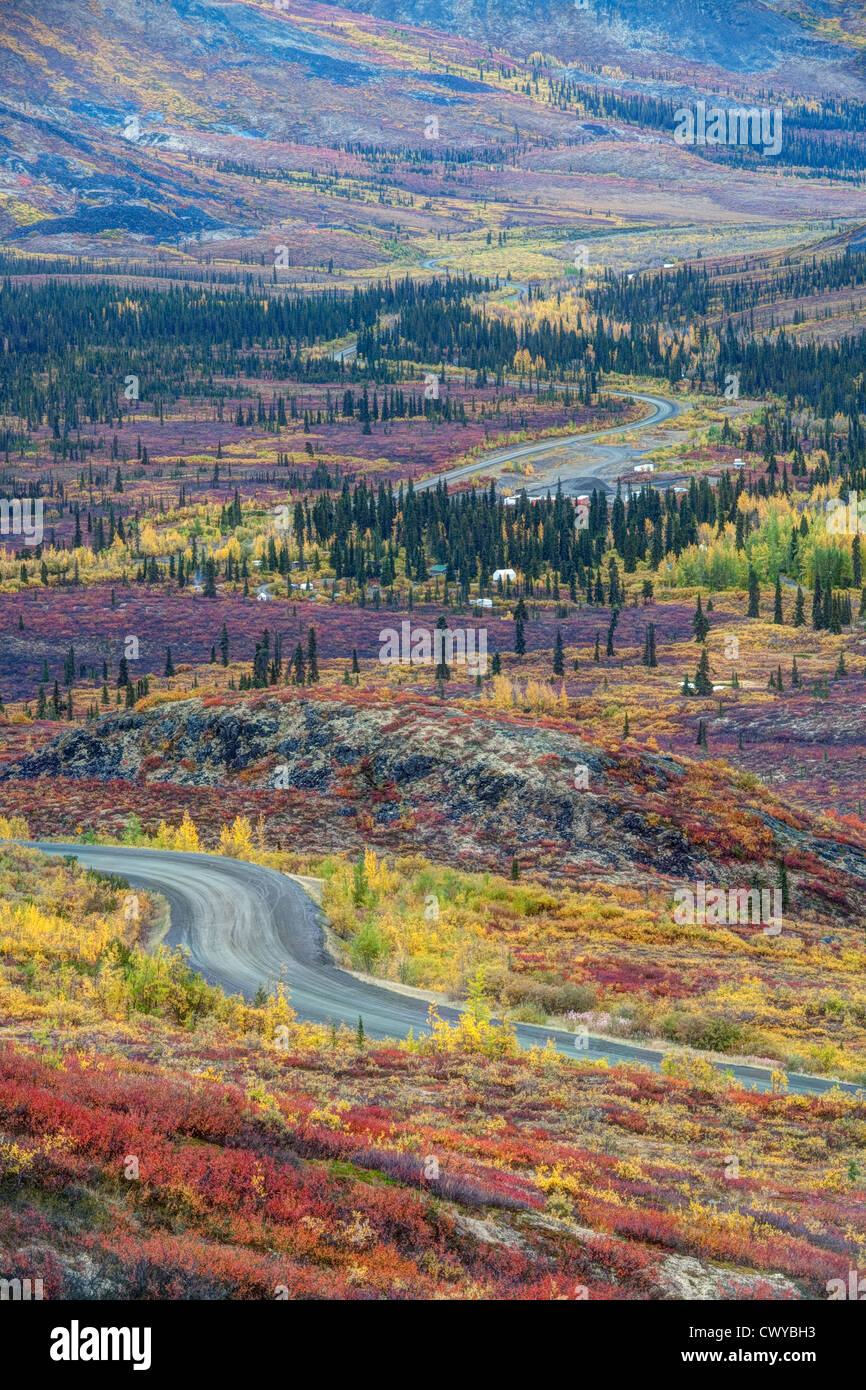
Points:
(246, 926)
(575, 477)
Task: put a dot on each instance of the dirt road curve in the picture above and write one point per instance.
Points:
(246, 926)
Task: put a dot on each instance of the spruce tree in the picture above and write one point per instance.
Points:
(783, 885)
(558, 661)
(817, 604)
(835, 623)
(778, 616)
(169, 664)
(799, 609)
(312, 658)
(703, 684)
(298, 667)
(443, 672)
(209, 590)
(700, 623)
(754, 610)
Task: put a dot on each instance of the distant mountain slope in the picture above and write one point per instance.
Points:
(740, 36)
(124, 123)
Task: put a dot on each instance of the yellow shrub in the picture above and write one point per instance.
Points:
(14, 828)
(181, 837)
(236, 840)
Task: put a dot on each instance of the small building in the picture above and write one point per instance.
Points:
(500, 576)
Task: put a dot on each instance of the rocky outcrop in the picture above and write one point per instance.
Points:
(498, 781)
(429, 775)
